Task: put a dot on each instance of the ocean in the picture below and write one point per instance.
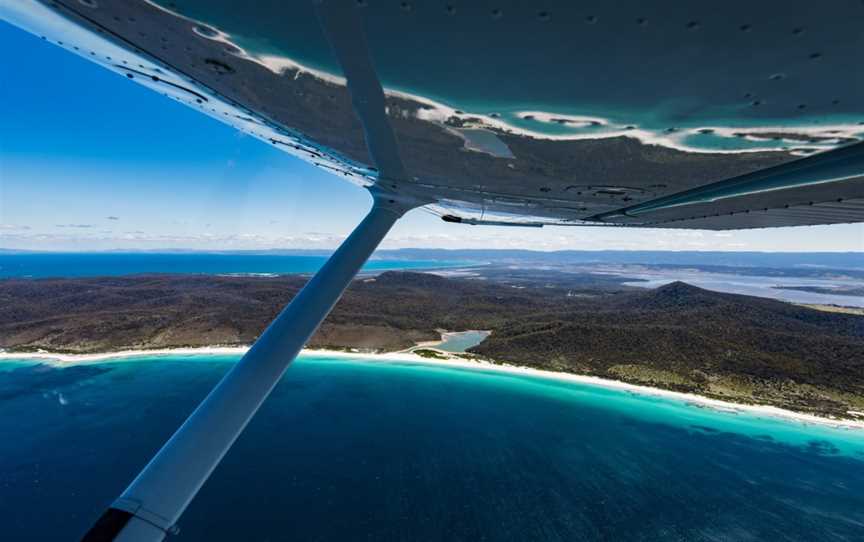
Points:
(83, 264)
(359, 450)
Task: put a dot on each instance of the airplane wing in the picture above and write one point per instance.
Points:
(616, 113)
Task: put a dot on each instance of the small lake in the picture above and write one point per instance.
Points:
(461, 341)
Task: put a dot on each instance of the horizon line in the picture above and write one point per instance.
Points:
(167, 250)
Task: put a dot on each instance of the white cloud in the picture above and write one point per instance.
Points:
(420, 234)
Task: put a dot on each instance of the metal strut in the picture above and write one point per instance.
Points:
(153, 502)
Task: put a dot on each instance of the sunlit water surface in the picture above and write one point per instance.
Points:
(358, 450)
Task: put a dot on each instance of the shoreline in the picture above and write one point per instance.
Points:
(452, 360)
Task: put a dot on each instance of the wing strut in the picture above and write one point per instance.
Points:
(843, 164)
(150, 507)
(154, 501)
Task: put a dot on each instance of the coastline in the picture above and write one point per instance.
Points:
(451, 360)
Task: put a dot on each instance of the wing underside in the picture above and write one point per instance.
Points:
(723, 116)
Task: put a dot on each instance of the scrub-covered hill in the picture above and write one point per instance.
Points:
(676, 336)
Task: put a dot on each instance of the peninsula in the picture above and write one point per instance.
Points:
(677, 337)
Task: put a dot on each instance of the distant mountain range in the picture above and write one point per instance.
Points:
(678, 336)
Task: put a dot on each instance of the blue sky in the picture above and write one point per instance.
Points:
(92, 161)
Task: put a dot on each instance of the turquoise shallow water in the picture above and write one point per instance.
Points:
(356, 450)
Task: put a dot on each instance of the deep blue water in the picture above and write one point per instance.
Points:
(41, 265)
(350, 450)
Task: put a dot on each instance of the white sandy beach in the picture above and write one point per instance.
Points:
(454, 361)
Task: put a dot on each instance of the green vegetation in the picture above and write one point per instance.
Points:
(678, 337)
(427, 353)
